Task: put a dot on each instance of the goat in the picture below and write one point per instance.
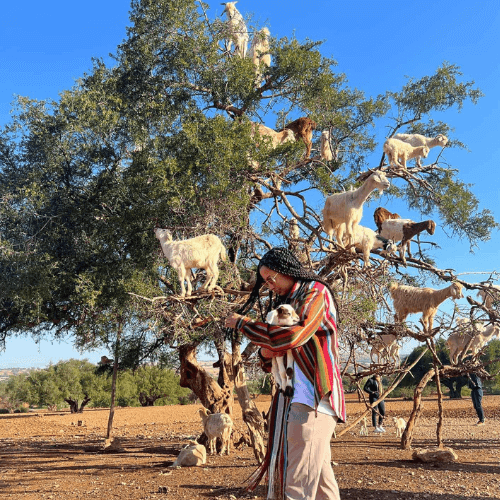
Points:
(217, 425)
(283, 315)
(489, 295)
(325, 147)
(366, 240)
(381, 214)
(259, 52)
(404, 230)
(201, 252)
(277, 138)
(343, 211)
(303, 128)
(396, 149)
(192, 454)
(400, 424)
(457, 342)
(237, 28)
(386, 348)
(420, 140)
(363, 430)
(410, 299)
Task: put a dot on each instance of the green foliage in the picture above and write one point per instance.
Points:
(74, 379)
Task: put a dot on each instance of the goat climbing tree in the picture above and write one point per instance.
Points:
(164, 138)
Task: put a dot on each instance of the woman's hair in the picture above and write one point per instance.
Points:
(283, 261)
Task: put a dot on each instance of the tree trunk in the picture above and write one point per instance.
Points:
(251, 414)
(417, 408)
(212, 396)
(146, 400)
(73, 404)
(113, 383)
(85, 402)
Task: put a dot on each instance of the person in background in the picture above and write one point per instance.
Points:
(476, 394)
(374, 389)
(302, 462)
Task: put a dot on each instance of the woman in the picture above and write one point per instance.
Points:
(318, 399)
(374, 389)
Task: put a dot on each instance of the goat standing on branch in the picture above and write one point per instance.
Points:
(457, 342)
(410, 299)
(404, 230)
(201, 252)
(416, 140)
(238, 32)
(343, 211)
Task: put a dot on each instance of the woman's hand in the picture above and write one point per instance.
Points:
(232, 320)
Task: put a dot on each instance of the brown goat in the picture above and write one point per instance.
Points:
(381, 214)
(303, 128)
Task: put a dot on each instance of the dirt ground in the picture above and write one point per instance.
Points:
(49, 456)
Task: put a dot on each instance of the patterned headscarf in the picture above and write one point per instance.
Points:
(283, 261)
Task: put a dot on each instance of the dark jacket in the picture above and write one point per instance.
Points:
(474, 381)
(371, 387)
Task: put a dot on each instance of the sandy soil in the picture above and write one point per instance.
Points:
(49, 456)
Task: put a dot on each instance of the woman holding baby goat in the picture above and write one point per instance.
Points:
(299, 468)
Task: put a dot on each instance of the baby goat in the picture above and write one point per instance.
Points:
(400, 425)
(217, 425)
(283, 315)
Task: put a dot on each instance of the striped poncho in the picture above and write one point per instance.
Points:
(313, 340)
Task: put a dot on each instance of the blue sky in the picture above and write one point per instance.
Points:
(46, 47)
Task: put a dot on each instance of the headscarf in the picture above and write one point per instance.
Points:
(283, 261)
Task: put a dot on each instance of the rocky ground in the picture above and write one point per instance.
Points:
(49, 456)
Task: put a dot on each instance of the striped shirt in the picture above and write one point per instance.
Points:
(313, 341)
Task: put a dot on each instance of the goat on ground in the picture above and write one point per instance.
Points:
(400, 424)
(404, 230)
(420, 140)
(238, 32)
(396, 149)
(343, 211)
(457, 342)
(363, 430)
(381, 214)
(217, 425)
(303, 129)
(410, 299)
(283, 315)
(191, 455)
(201, 252)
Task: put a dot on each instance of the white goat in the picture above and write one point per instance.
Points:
(366, 240)
(283, 315)
(277, 138)
(363, 429)
(396, 149)
(410, 299)
(400, 424)
(325, 148)
(457, 342)
(201, 252)
(259, 52)
(217, 425)
(191, 455)
(386, 348)
(238, 32)
(404, 230)
(343, 211)
(489, 295)
(420, 140)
